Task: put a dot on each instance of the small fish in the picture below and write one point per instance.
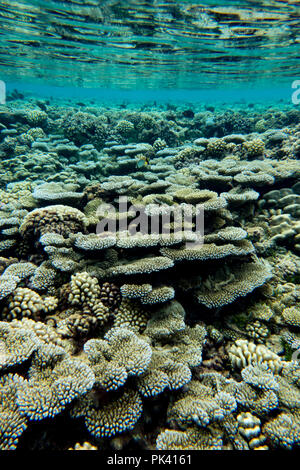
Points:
(143, 161)
(188, 113)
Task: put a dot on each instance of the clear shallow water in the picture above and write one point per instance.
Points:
(150, 44)
(230, 97)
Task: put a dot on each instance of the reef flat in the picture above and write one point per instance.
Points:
(137, 340)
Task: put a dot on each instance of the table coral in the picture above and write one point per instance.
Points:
(191, 439)
(121, 355)
(54, 380)
(118, 415)
(182, 337)
(17, 344)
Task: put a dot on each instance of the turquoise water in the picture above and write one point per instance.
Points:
(226, 96)
(150, 44)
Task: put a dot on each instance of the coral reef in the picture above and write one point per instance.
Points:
(149, 277)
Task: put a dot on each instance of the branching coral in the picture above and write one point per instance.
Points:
(226, 285)
(54, 380)
(58, 219)
(85, 292)
(244, 353)
(191, 439)
(283, 431)
(17, 344)
(106, 420)
(122, 355)
(91, 320)
(12, 422)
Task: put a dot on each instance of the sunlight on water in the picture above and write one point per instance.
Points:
(150, 44)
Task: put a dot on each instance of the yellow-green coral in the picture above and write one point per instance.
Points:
(243, 353)
(12, 422)
(121, 355)
(120, 414)
(190, 439)
(54, 380)
(17, 344)
(254, 148)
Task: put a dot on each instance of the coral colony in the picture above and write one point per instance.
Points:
(126, 337)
